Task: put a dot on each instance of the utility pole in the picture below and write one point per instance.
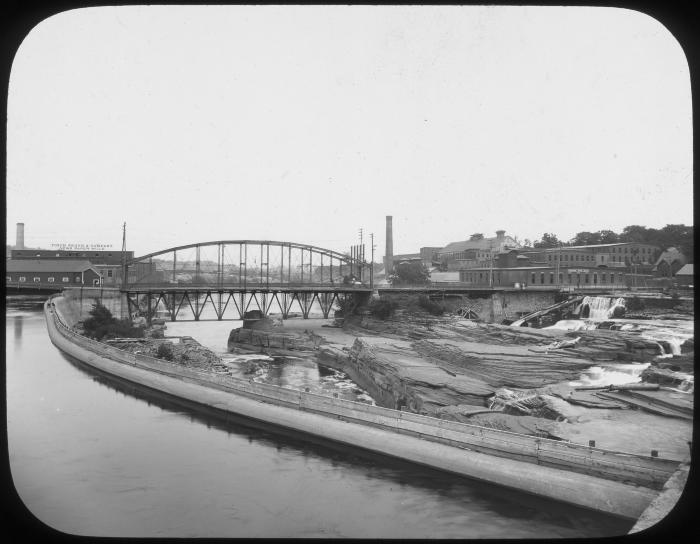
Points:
(124, 255)
(371, 265)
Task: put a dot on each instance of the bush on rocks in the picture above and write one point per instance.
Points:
(102, 324)
(165, 351)
(382, 308)
(431, 306)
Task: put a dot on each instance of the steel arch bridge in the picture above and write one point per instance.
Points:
(222, 280)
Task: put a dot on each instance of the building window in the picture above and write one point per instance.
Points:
(58, 254)
(109, 273)
(51, 280)
(586, 278)
(533, 278)
(22, 278)
(65, 279)
(37, 280)
(542, 278)
(8, 278)
(561, 278)
(77, 279)
(602, 278)
(569, 278)
(595, 279)
(551, 277)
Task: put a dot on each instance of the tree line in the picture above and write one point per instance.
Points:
(679, 236)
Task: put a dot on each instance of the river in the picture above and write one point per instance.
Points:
(90, 455)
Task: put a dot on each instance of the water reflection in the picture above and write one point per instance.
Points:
(19, 321)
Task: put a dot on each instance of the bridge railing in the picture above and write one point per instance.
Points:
(648, 471)
(248, 286)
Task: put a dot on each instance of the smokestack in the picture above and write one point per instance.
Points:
(389, 253)
(500, 234)
(19, 244)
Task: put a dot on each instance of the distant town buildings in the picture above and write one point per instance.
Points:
(66, 267)
(501, 261)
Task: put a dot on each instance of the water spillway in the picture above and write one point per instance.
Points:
(601, 308)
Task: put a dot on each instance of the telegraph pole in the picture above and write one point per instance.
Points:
(124, 255)
(371, 265)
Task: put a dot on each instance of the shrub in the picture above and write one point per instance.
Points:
(382, 307)
(165, 351)
(431, 306)
(102, 324)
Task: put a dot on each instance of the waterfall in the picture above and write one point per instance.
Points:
(601, 308)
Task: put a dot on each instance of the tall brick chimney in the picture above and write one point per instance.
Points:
(500, 235)
(389, 253)
(19, 244)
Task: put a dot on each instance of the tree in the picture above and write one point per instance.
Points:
(102, 323)
(608, 237)
(585, 238)
(410, 273)
(635, 233)
(548, 240)
(477, 236)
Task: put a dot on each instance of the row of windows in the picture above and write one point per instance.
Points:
(615, 258)
(482, 277)
(577, 277)
(64, 279)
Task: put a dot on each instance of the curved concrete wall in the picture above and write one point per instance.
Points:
(579, 489)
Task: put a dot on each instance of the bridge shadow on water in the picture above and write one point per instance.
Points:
(506, 502)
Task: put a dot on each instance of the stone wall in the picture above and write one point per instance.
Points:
(77, 303)
(492, 308)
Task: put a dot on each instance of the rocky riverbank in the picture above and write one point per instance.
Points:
(511, 378)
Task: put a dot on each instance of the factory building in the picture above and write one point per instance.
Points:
(475, 252)
(64, 272)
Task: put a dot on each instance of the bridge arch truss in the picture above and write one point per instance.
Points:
(244, 264)
(224, 279)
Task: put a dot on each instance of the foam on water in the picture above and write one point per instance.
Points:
(611, 374)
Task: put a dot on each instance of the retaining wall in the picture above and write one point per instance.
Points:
(603, 480)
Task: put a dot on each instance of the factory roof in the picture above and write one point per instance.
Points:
(53, 265)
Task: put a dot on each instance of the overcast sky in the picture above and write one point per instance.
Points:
(305, 124)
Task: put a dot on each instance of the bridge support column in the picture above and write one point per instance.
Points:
(305, 305)
(285, 305)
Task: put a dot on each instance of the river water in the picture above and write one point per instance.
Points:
(90, 455)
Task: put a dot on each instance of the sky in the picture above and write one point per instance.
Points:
(309, 123)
